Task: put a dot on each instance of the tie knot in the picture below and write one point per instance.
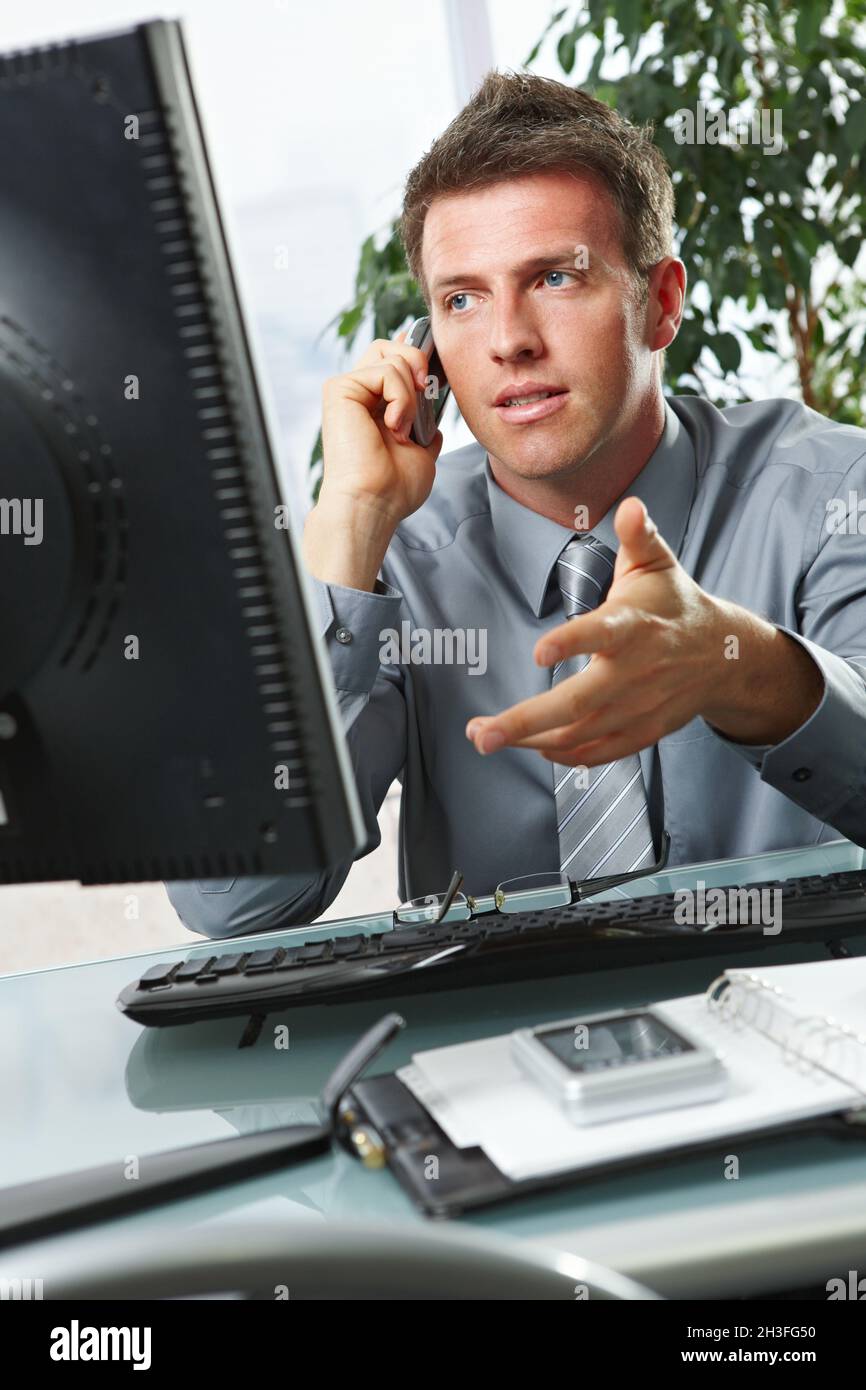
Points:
(584, 571)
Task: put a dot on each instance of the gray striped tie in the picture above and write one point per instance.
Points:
(603, 825)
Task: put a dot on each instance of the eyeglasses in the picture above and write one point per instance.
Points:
(532, 891)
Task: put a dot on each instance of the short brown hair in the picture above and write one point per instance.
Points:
(520, 123)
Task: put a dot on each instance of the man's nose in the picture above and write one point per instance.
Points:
(513, 332)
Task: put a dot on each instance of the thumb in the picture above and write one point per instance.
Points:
(641, 545)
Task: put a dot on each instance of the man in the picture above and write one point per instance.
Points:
(674, 637)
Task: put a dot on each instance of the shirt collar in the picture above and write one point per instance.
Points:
(530, 544)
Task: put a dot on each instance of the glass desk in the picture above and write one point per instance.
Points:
(82, 1085)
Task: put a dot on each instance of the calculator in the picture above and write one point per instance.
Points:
(611, 1066)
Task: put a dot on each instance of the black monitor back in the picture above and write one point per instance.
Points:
(165, 709)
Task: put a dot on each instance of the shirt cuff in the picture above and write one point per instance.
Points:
(816, 765)
(351, 622)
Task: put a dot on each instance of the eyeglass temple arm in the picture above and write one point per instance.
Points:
(451, 894)
(589, 886)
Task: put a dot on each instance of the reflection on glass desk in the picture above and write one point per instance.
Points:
(83, 1085)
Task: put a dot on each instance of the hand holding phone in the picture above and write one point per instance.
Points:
(375, 472)
(431, 401)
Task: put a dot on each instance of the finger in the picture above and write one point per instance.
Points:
(641, 544)
(407, 448)
(385, 349)
(399, 415)
(537, 715)
(401, 421)
(387, 390)
(600, 690)
(557, 740)
(603, 630)
(621, 744)
(600, 695)
(603, 722)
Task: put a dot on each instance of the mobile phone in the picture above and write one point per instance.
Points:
(613, 1065)
(431, 401)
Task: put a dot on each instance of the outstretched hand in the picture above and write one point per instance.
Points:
(661, 654)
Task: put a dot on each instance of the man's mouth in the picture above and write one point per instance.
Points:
(527, 405)
(525, 400)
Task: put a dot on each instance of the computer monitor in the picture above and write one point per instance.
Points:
(166, 710)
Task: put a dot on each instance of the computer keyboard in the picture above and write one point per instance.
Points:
(491, 949)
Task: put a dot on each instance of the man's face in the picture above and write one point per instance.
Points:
(528, 284)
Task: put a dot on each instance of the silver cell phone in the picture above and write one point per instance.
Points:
(613, 1065)
(431, 401)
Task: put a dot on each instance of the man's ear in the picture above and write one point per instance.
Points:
(667, 299)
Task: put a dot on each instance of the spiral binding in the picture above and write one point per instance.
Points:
(809, 1042)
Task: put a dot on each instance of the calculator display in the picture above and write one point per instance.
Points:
(614, 1042)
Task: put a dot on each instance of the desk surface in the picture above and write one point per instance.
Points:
(83, 1085)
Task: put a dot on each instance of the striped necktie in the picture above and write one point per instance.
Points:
(602, 820)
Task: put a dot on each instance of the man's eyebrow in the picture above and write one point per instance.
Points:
(548, 258)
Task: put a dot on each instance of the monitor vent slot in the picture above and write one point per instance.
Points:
(225, 444)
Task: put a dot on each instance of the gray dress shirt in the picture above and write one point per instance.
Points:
(753, 500)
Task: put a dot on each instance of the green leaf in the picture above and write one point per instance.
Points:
(809, 25)
(565, 51)
(595, 69)
(350, 321)
(808, 236)
(628, 18)
(849, 248)
(854, 129)
(727, 350)
(606, 92)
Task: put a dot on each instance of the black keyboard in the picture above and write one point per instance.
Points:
(492, 949)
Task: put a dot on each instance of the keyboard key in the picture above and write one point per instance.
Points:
(291, 958)
(498, 925)
(348, 946)
(397, 940)
(314, 950)
(227, 965)
(433, 931)
(157, 975)
(263, 960)
(191, 968)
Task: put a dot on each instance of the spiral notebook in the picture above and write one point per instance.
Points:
(793, 1039)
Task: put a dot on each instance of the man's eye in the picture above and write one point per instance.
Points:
(452, 304)
(565, 275)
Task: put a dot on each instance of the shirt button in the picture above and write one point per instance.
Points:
(344, 635)
(802, 774)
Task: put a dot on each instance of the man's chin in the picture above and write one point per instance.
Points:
(536, 459)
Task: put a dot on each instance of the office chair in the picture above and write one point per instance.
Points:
(312, 1260)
